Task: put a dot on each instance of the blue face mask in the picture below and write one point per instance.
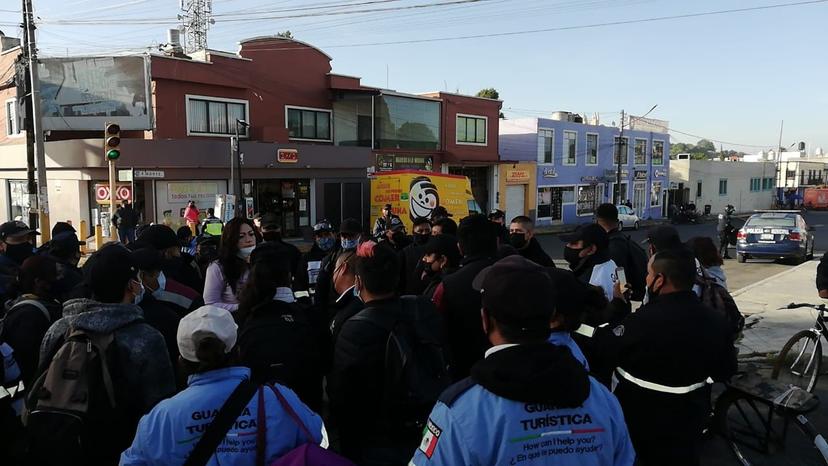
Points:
(162, 284)
(140, 296)
(349, 243)
(326, 243)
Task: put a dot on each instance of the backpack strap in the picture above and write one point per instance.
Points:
(35, 303)
(289, 410)
(451, 394)
(221, 424)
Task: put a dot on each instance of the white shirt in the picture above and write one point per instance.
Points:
(496, 348)
(603, 275)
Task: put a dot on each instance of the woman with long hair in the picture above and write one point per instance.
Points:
(228, 274)
(708, 256)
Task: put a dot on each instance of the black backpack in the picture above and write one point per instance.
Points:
(636, 266)
(416, 363)
(76, 413)
(716, 297)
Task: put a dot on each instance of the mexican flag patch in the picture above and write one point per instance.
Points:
(431, 435)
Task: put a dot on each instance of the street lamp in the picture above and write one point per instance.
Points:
(622, 146)
(237, 156)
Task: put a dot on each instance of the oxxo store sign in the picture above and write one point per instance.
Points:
(518, 175)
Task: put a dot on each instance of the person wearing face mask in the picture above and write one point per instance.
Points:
(324, 241)
(64, 247)
(15, 247)
(395, 236)
(665, 357)
(498, 217)
(179, 267)
(350, 233)
(522, 238)
(383, 222)
(347, 304)
(161, 315)
(228, 274)
(145, 372)
(272, 233)
(587, 252)
(411, 271)
(441, 257)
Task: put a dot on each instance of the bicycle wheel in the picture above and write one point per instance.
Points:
(742, 423)
(800, 361)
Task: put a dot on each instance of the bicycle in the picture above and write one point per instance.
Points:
(800, 360)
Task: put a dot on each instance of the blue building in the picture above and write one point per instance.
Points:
(576, 167)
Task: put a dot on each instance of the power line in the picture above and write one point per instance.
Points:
(306, 8)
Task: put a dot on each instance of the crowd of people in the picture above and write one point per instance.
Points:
(461, 343)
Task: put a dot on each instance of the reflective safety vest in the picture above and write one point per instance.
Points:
(656, 386)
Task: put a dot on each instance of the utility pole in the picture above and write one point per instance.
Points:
(23, 95)
(36, 123)
(778, 151)
(619, 147)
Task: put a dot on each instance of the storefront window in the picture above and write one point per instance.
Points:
(551, 200)
(586, 200)
(19, 201)
(658, 152)
(655, 194)
(352, 122)
(406, 123)
(621, 147)
(640, 151)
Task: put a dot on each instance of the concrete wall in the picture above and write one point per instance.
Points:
(738, 176)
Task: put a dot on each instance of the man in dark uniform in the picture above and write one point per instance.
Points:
(725, 228)
(665, 356)
(522, 238)
(498, 217)
(324, 241)
(383, 222)
(623, 251)
(411, 256)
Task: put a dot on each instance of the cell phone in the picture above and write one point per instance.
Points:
(622, 277)
(585, 330)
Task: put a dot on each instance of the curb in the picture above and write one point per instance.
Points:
(762, 282)
(560, 229)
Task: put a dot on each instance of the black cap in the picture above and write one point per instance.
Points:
(396, 224)
(517, 292)
(62, 227)
(592, 234)
(159, 236)
(497, 213)
(323, 226)
(444, 245)
(350, 226)
(147, 259)
(440, 211)
(387, 206)
(15, 228)
(66, 240)
(607, 211)
(275, 254)
(663, 238)
(111, 270)
(270, 221)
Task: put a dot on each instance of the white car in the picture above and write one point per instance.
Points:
(627, 218)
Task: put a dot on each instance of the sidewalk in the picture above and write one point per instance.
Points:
(767, 328)
(558, 229)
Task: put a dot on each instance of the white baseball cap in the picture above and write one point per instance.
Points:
(206, 321)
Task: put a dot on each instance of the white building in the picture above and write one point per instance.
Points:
(746, 185)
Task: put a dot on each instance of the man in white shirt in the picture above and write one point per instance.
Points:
(587, 252)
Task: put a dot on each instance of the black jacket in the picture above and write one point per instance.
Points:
(676, 341)
(345, 307)
(282, 342)
(23, 330)
(125, 217)
(184, 270)
(163, 318)
(298, 267)
(69, 276)
(410, 274)
(460, 305)
(535, 253)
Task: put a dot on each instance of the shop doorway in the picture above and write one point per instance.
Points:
(479, 178)
(640, 198)
(515, 201)
(288, 199)
(342, 200)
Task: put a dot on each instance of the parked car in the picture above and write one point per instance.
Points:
(627, 218)
(775, 235)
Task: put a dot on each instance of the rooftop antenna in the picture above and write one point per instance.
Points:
(196, 18)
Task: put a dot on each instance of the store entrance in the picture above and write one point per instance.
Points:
(288, 199)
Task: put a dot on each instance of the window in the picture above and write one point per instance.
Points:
(586, 201)
(640, 152)
(621, 148)
(570, 148)
(11, 118)
(600, 193)
(622, 196)
(308, 123)
(767, 184)
(406, 123)
(655, 194)
(592, 149)
(658, 152)
(723, 187)
(551, 200)
(755, 184)
(545, 152)
(213, 116)
(698, 188)
(471, 129)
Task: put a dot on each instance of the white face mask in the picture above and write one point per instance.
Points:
(162, 285)
(244, 253)
(140, 296)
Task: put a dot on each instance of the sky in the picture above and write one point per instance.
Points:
(731, 78)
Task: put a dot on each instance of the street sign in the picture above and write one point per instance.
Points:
(122, 193)
(155, 174)
(125, 175)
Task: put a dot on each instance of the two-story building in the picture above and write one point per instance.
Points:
(561, 169)
(309, 137)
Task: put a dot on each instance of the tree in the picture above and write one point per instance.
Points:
(285, 34)
(490, 93)
(705, 146)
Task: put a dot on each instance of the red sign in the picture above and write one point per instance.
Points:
(287, 156)
(122, 193)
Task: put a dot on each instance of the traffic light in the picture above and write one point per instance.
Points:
(112, 141)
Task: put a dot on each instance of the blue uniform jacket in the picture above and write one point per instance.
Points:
(167, 435)
(481, 428)
(565, 339)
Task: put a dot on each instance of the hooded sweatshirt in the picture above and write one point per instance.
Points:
(531, 404)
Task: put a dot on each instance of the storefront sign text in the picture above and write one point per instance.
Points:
(198, 191)
(122, 193)
(641, 174)
(287, 156)
(589, 179)
(157, 174)
(659, 173)
(388, 162)
(550, 173)
(517, 176)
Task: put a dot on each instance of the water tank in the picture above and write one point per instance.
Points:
(575, 118)
(561, 116)
(174, 37)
